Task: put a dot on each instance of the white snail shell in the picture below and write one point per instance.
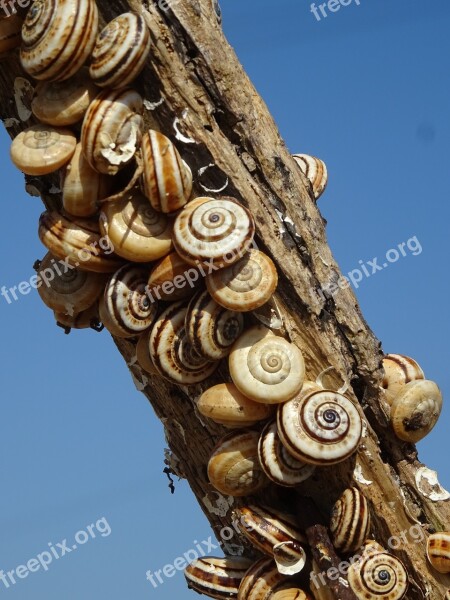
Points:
(58, 37)
(137, 232)
(315, 170)
(264, 582)
(350, 521)
(438, 551)
(266, 367)
(143, 353)
(398, 371)
(247, 284)
(10, 28)
(279, 466)
(173, 355)
(416, 410)
(234, 468)
(322, 428)
(85, 319)
(168, 280)
(217, 577)
(213, 232)
(447, 595)
(120, 51)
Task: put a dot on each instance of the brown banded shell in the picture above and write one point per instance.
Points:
(172, 353)
(213, 232)
(57, 37)
(10, 28)
(321, 428)
(266, 367)
(137, 232)
(224, 404)
(112, 130)
(167, 179)
(217, 577)
(246, 285)
(143, 353)
(416, 410)
(172, 279)
(279, 466)
(234, 468)
(120, 51)
(263, 582)
(42, 149)
(315, 170)
(350, 521)
(438, 551)
(398, 371)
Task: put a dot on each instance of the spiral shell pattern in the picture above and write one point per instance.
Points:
(438, 551)
(264, 582)
(322, 428)
(398, 371)
(315, 170)
(216, 577)
(350, 521)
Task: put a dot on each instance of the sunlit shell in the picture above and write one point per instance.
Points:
(398, 371)
(264, 582)
(172, 279)
(315, 170)
(416, 410)
(217, 577)
(85, 319)
(350, 521)
(143, 353)
(438, 551)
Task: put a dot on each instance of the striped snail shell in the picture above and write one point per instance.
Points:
(274, 534)
(212, 329)
(77, 241)
(224, 404)
(125, 309)
(143, 353)
(447, 595)
(319, 589)
(246, 285)
(264, 582)
(350, 521)
(173, 355)
(85, 319)
(120, 51)
(167, 179)
(217, 577)
(172, 279)
(315, 170)
(234, 468)
(137, 232)
(112, 130)
(277, 463)
(266, 367)
(322, 428)
(42, 149)
(438, 551)
(416, 410)
(10, 28)
(57, 37)
(398, 371)
(214, 232)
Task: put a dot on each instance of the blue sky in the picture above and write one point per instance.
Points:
(366, 89)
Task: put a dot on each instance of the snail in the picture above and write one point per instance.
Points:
(85, 319)
(315, 170)
(167, 179)
(350, 521)
(125, 309)
(172, 353)
(416, 410)
(217, 577)
(263, 582)
(120, 51)
(447, 595)
(42, 149)
(321, 428)
(143, 353)
(398, 371)
(319, 589)
(112, 130)
(246, 285)
(279, 466)
(224, 404)
(137, 232)
(57, 37)
(233, 468)
(212, 329)
(266, 367)
(438, 551)
(172, 279)
(10, 28)
(213, 232)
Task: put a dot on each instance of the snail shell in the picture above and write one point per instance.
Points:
(266, 367)
(350, 521)
(319, 589)
(264, 582)
(213, 232)
(224, 404)
(438, 551)
(217, 577)
(112, 130)
(234, 468)
(167, 179)
(246, 285)
(172, 353)
(85, 319)
(10, 28)
(416, 410)
(143, 353)
(120, 51)
(212, 329)
(138, 232)
(42, 149)
(78, 241)
(398, 371)
(277, 463)
(315, 170)
(168, 280)
(322, 428)
(447, 595)
(57, 37)
(125, 309)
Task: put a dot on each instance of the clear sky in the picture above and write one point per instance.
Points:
(366, 89)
